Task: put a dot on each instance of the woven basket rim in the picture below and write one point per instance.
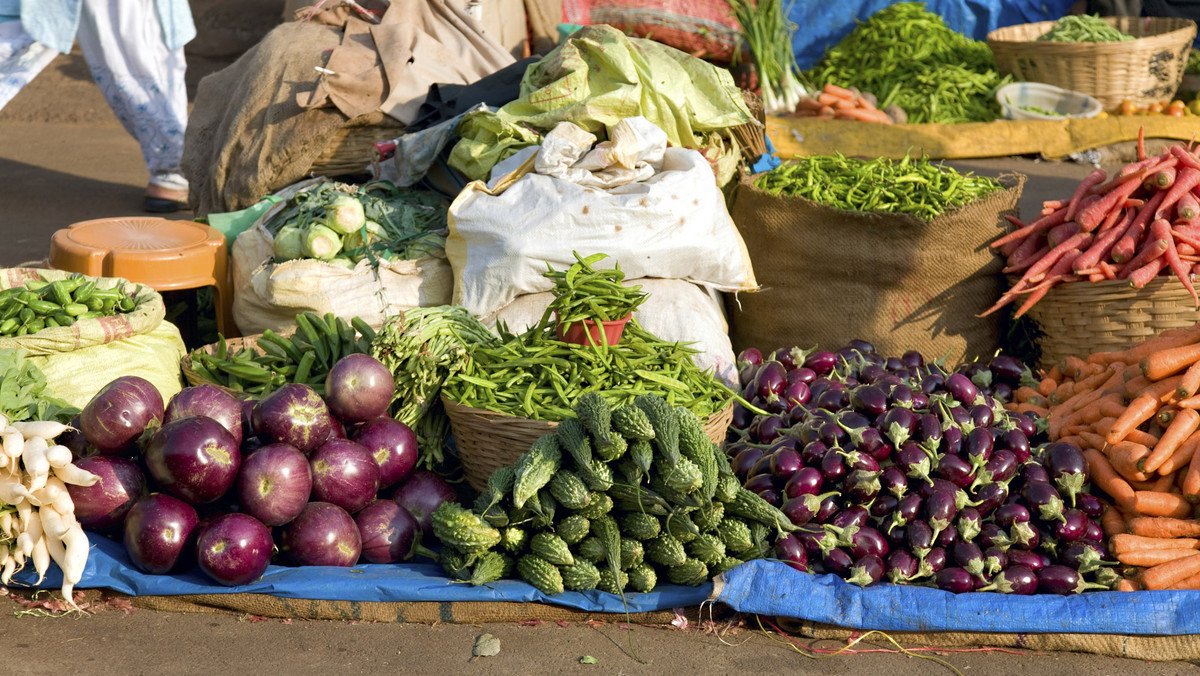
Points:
(1157, 27)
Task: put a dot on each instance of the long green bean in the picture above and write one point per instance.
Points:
(915, 187)
(907, 56)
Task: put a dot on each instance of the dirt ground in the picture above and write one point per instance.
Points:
(64, 158)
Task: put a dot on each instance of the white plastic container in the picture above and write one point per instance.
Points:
(1016, 98)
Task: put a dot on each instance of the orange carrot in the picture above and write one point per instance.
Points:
(1147, 439)
(1154, 503)
(1091, 388)
(840, 92)
(1191, 381)
(1125, 457)
(1124, 542)
(1191, 480)
(1164, 527)
(1153, 557)
(1024, 393)
(1166, 339)
(1112, 522)
(1165, 389)
(1112, 406)
(1071, 366)
(1107, 479)
(1163, 484)
(1128, 585)
(1160, 364)
(1135, 386)
(1071, 439)
(1192, 582)
(1047, 386)
(1182, 455)
(1065, 391)
(1185, 423)
(1092, 440)
(1138, 412)
(1167, 574)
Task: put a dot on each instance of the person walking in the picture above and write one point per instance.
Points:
(134, 49)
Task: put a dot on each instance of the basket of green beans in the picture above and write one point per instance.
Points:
(1112, 58)
(591, 306)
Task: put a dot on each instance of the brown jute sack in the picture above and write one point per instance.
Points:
(830, 276)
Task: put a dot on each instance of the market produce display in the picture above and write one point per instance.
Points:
(1140, 223)
(1084, 28)
(1134, 413)
(920, 473)
(907, 56)
(907, 186)
(221, 473)
(304, 357)
(344, 224)
(615, 499)
(41, 304)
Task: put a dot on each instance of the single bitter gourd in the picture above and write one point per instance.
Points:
(665, 550)
(596, 415)
(707, 548)
(735, 534)
(666, 427)
(535, 468)
(568, 489)
(691, 573)
(611, 581)
(463, 529)
(708, 517)
(640, 526)
(551, 548)
(540, 573)
(572, 436)
(642, 577)
(490, 567)
(599, 504)
(573, 529)
(724, 565)
(681, 527)
(591, 549)
(580, 576)
(632, 553)
(514, 539)
(631, 422)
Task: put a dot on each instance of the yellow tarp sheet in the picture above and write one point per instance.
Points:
(1052, 139)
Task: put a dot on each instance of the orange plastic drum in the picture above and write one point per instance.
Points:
(163, 254)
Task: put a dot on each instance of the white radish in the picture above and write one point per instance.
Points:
(55, 523)
(6, 523)
(24, 544)
(24, 513)
(55, 494)
(14, 493)
(39, 429)
(36, 464)
(58, 455)
(41, 559)
(10, 565)
(77, 546)
(75, 475)
(33, 529)
(13, 443)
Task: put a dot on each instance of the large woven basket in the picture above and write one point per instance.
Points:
(488, 440)
(1143, 70)
(1081, 318)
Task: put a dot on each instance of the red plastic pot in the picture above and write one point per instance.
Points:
(587, 332)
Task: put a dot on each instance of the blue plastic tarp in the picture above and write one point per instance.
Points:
(820, 25)
(108, 567)
(772, 588)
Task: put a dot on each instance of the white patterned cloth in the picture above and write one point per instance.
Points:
(142, 80)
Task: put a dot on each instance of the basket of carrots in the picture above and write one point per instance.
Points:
(1114, 263)
(1136, 415)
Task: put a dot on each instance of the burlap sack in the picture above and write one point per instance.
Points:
(80, 359)
(829, 276)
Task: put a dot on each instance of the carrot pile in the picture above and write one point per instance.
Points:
(1141, 222)
(838, 103)
(1136, 415)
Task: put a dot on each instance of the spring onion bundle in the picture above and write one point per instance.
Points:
(1083, 28)
(907, 56)
(768, 34)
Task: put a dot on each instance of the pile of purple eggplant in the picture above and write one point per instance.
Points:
(915, 473)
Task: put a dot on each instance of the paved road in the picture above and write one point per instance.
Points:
(64, 158)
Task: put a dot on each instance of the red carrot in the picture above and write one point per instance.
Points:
(1114, 217)
(1188, 207)
(1060, 233)
(1108, 269)
(1141, 144)
(1099, 250)
(1188, 178)
(1053, 204)
(1142, 276)
(1025, 262)
(1183, 272)
(1185, 156)
(1136, 169)
(1163, 179)
(1154, 246)
(1093, 179)
(1092, 215)
(1043, 223)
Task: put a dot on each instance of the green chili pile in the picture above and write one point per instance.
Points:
(582, 292)
(534, 375)
(1083, 28)
(915, 187)
(907, 56)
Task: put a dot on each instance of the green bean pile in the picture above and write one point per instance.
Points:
(585, 293)
(536, 376)
(915, 187)
(907, 56)
(1083, 28)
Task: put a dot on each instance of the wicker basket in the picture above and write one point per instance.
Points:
(351, 150)
(1143, 70)
(1081, 318)
(488, 440)
(232, 345)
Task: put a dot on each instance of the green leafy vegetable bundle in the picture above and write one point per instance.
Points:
(907, 56)
(23, 391)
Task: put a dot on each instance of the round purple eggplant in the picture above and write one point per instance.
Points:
(1007, 515)
(968, 556)
(1083, 556)
(745, 460)
(838, 561)
(908, 509)
(940, 510)
(1059, 579)
(1044, 500)
(861, 486)
(1091, 505)
(1067, 467)
(989, 497)
(869, 399)
(914, 462)
(968, 523)
(935, 561)
(1026, 558)
(805, 481)
(1094, 532)
(804, 508)
(992, 535)
(1073, 526)
(961, 388)
(784, 463)
(994, 560)
(955, 580)
(920, 538)
(979, 446)
(1033, 472)
(821, 362)
(868, 569)
(791, 551)
(1016, 442)
(867, 541)
(829, 506)
(883, 505)
(952, 441)
(1016, 579)
(901, 566)
(852, 516)
(894, 481)
(955, 470)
